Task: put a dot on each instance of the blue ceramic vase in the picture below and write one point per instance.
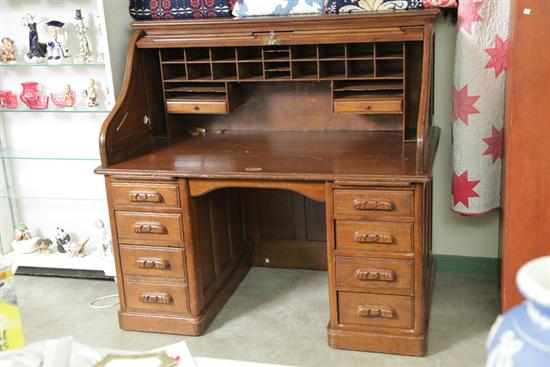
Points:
(521, 337)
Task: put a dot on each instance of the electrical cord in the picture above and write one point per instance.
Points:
(93, 303)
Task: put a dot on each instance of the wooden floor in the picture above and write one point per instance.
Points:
(281, 155)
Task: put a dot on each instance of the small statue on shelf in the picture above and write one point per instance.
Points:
(8, 52)
(56, 51)
(91, 94)
(45, 246)
(37, 50)
(77, 248)
(69, 96)
(83, 55)
(62, 239)
(24, 242)
(101, 241)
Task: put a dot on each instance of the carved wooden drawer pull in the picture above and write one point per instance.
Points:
(385, 275)
(152, 263)
(159, 298)
(363, 237)
(385, 205)
(376, 311)
(146, 227)
(145, 197)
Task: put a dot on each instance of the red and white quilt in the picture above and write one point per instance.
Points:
(478, 105)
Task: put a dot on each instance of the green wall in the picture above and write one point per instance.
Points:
(454, 234)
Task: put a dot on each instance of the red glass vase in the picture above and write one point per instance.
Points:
(32, 97)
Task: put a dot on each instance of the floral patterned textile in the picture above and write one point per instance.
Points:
(478, 104)
(174, 9)
(440, 3)
(252, 8)
(348, 6)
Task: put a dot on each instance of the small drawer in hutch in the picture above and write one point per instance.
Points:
(156, 298)
(368, 106)
(374, 236)
(375, 310)
(134, 194)
(153, 261)
(196, 106)
(359, 274)
(373, 202)
(141, 226)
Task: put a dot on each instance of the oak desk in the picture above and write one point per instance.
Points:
(297, 142)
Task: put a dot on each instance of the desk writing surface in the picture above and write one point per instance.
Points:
(312, 155)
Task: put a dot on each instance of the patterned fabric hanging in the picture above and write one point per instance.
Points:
(349, 6)
(175, 9)
(478, 105)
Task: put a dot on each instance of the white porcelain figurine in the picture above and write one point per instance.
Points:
(91, 94)
(56, 50)
(24, 241)
(84, 53)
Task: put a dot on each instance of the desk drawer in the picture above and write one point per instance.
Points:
(368, 106)
(374, 236)
(145, 195)
(152, 261)
(156, 298)
(375, 310)
(357, 274)
(136, 227)
(373, 202)
(196, 106)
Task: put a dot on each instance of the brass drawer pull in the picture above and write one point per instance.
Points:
(362, 237)
(146, 227)
(385, 205)
(196, 108)
(159, 298)
(385, 275)
(145, 197)
(376, 311)
(152, 263)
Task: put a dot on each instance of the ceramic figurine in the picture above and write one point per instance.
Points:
(101, 241)
(45, 246)
(24, 242)
(8, 52)
(56, 51)
(62, 239)
(521, 337)
(84, 53)
(32, 96)
(8, 100)
(37, 50)
(91, 94)
(65, 98)
(76, 248)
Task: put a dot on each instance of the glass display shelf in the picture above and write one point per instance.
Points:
(20, 64)
(101, 109)
(12, 193)
(51, 155)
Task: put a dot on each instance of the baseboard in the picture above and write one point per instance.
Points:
(483, 266)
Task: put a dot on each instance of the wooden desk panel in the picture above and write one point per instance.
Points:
(282, 155)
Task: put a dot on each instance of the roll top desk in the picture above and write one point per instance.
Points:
(296, 142)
